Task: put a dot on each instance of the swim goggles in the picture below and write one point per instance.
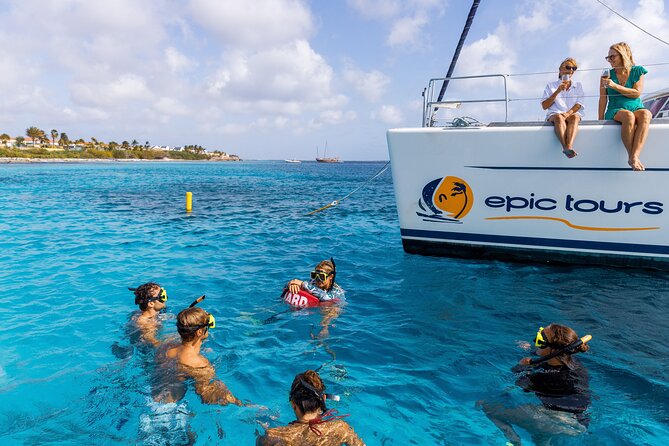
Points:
(321, 276)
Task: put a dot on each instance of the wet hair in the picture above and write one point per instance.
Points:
(625, 52)
(144, 294)
(189, 321)
(307, 392)
(328, 266)
(561, 336)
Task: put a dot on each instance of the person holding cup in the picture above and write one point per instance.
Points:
(620, 99)
(563, 101)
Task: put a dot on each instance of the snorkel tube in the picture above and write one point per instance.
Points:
(569, 350)
(197, 301)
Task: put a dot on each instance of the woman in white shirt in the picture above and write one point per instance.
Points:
(563, 102)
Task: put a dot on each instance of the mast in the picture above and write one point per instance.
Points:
(454, 61)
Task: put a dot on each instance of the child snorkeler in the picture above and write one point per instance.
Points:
(183, 361)
(559, 381)
(315, 425)
(151, 299)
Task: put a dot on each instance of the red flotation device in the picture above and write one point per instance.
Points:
(301, 299)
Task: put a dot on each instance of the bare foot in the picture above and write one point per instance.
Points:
(636, 164)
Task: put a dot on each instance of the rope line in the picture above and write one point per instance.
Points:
(630, 22)
(336, 202)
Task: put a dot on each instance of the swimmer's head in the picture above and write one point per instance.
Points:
(306, 392)
(194, 322)
(150, 294)
(556, 337)
(324, 274)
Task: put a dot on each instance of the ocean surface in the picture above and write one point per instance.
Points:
(419, 343)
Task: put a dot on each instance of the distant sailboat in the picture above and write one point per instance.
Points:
(326, 159)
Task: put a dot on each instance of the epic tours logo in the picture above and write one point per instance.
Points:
(446, 200)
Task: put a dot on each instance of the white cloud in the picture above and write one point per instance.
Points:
(407, 19)
(254, 24)
(389, 114)
(407, 31)
(288, 79)
(372, 85)
(176, 60)
(126, 87)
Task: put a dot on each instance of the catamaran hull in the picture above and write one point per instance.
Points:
(508, 192)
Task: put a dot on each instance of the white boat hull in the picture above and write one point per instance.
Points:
(508, 192)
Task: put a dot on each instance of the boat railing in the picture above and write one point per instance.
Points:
(519, 96)
(431, 105)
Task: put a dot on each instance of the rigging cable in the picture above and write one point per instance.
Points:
(630, 22)
(336, 202)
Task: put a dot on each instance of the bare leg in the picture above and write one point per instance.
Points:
(626, 119)
(642, 119)
(560, 127)
(572, 130)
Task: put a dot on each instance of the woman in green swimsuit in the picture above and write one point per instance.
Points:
(620, 95)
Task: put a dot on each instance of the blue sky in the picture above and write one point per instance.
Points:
(275, 79)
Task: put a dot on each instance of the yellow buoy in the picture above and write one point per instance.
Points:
(189, 202)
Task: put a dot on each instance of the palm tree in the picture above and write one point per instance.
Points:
(34, 133)
(19, 141)
(64, 140)
(460, 189)
(4, 138)
(125, 145)
(54, 135)
(134, 143)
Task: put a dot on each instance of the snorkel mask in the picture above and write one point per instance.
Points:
(162, 295)
(322, 276)
(320, 396)
(211, 321)
(541, 342)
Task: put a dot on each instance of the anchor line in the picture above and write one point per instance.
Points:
(336, 202)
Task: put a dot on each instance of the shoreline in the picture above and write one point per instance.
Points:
(12, 160)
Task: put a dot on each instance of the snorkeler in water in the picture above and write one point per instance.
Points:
(322, 286)
(151, 299)
(559, 381)
(183, 361)
(315, 425)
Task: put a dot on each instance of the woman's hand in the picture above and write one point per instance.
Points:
(525, 361)
(564, 85)
(607, 82)
(294, 286)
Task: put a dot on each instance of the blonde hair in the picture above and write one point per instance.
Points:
(569, 59)
(625, 52)
(188, 320)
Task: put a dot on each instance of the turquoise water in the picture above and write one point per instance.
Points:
(420, 342)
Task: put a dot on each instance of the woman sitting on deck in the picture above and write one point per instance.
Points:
(620, 96)
(564, 101)
(315, 424)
